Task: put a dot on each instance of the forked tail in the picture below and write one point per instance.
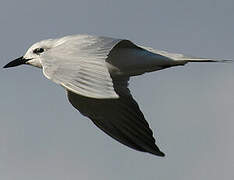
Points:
(183, 59)
(207, 60)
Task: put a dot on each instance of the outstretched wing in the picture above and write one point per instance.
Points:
(120, 118)
(78, 64)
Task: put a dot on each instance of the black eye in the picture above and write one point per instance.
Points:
(38, 50)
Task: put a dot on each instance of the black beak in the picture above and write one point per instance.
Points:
(16, 62)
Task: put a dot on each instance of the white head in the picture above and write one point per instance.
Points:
(32, 56)
(36, 50)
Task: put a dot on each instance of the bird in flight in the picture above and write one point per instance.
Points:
(95, 72)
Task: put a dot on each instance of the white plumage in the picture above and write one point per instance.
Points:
(95, 72)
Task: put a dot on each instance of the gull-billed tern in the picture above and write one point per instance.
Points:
(95, 72)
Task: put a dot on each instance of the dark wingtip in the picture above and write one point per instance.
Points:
(159, 153)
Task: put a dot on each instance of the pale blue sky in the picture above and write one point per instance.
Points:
(190, 109)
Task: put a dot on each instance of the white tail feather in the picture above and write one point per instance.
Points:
(207, 60)
(184, 58)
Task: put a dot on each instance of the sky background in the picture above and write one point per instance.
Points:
(190, 109)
